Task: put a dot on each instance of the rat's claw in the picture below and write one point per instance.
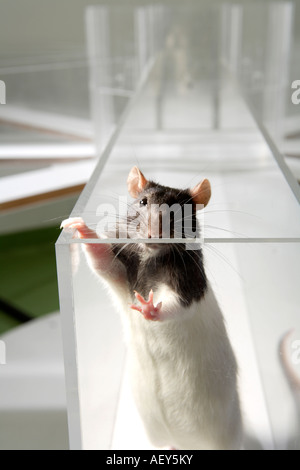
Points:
(147, 309)
(72, 222)
(150, 299)
(78, 223)
(140, 298)
(136, 307)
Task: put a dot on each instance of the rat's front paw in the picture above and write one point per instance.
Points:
(77, 223)
(147, 309)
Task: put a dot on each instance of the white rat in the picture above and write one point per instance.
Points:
(183, 370)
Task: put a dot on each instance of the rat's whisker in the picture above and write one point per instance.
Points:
(217, 252)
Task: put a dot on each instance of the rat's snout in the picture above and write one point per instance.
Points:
(162, 221)
(166, 222)
(155, 224)
(154, 230)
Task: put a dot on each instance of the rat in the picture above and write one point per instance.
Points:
(182, 365)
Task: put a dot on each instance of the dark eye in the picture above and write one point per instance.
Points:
(143, 202)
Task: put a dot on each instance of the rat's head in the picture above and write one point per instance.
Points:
(164, 212)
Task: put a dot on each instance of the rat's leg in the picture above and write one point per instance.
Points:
(147, 309)
(99, 255)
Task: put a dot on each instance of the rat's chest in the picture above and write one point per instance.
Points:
(185, 281)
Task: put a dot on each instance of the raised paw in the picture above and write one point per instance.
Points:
(78, 223)
(147, 309)
(100, 255)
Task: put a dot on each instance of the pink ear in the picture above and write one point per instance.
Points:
(136, 182)
(201, 193)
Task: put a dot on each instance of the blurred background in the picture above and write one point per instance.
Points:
(52, 132)
(44, 126)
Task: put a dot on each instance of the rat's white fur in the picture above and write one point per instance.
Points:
(183, 372)
(184, 376)
(183, 368)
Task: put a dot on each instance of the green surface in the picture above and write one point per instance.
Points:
(28, 279)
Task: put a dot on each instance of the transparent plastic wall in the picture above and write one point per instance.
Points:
(260, 46)
(122, 42)
(188, 120)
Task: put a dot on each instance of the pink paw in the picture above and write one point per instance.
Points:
(147, 309)
(77, 223)
(100, 253)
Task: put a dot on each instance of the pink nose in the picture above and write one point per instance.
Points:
(155, 231)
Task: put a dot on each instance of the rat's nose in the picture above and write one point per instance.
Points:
(155, 226)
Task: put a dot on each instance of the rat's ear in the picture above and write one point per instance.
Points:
(136, 182)
(201, 193)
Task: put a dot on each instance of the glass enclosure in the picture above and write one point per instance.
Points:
(184, 93)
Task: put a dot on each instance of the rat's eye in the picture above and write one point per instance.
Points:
(143, 202)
